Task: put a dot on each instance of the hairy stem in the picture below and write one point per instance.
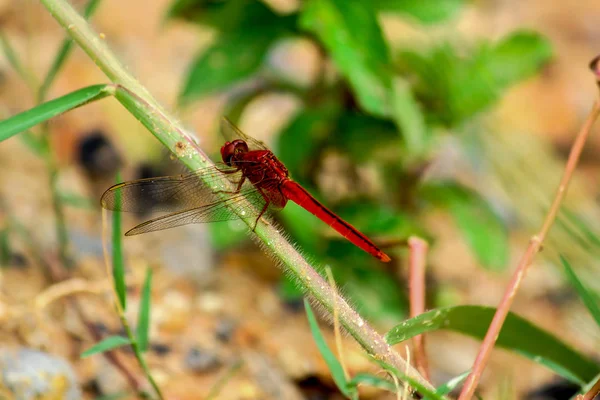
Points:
(171, 133)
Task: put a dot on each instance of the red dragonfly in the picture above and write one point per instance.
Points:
(261, 183)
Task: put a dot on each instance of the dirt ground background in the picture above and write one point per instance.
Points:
(212, 309)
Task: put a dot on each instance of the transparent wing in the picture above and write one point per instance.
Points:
(171, 193)
(232, 132)
(247, 202)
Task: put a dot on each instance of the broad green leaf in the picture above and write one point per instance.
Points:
(454, 84)
(337, 372)
(63, 53)
(110, 343)
(218, 14)
(371, 380)
(231, 58)
(25, 120)
(298, 143)
(408, 117)
(517, 57)
(350, 32)
(117, 253)
(482, 228)
(517, 335)
(586, 296)
(143, 325)
(425, 11)
(365, 138)
(239, 49)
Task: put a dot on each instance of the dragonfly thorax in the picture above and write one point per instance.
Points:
(232, 150)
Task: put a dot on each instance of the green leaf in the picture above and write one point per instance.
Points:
(110, 343)
(482, 228)
(143, 325)
(63, 53)
(117, 253)
(408, 117)
(219, 14)
(351, 34)
(25, 120)
(416, 385)
(238, 51)
(337, 372)
(455, 84)
(518, 56)
(77, 201)
(425, 11)
(14, 61)
(33, 143)
(451, 384)
(517, 335)
(586, 296)
(365, 138)
(299, 141)
(5, 251)
(233, 57)
(371, 380)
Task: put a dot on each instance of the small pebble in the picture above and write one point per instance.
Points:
(225, 329)
(199, 360)
(31, 374)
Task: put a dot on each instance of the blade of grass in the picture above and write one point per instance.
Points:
(143, 326)
(335, 367)
(118, 270)
(61, 56)
(110, 343)
(371, 380)
(14, 61)
(25, 120)
(451, 384)
(586, 296)
(416, 385)
(518, 335)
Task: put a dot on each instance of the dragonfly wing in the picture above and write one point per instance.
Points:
(246, 203)
(232, 132)
(168, 193)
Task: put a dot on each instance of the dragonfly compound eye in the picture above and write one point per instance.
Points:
(227, 152)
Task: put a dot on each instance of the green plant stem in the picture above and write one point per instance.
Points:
(172, 134)
(139, 356)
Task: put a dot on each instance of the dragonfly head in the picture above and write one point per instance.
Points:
(230, 150)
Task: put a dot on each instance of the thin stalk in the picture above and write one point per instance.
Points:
(417, 264)
(534, 246)
(171, 133)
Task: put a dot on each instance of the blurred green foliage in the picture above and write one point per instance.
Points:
(386, 110)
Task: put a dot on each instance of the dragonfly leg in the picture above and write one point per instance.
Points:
(237, 189)
(264, 209)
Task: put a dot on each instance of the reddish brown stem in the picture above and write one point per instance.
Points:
(534, 246)
(592, 393)
(417, 260)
